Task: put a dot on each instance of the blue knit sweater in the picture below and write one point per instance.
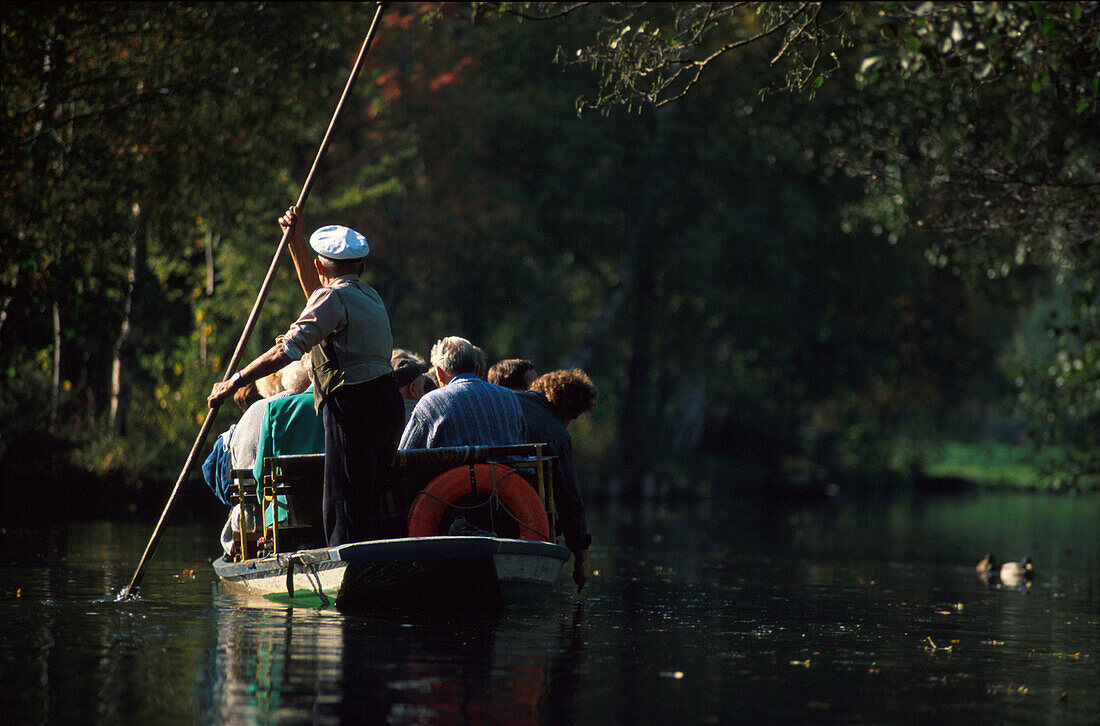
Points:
(466, 412)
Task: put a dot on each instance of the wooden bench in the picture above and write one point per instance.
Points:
(302, 478)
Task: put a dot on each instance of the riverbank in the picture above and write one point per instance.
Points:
(992, 465)
(46, 483)
(43, 491)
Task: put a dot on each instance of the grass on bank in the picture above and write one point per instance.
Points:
(991, 464)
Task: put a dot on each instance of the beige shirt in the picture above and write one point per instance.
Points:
(355, 313)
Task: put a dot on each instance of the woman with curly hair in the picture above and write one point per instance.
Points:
(554, 400)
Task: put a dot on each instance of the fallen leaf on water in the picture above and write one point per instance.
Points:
(1007, 689)
(803, 663)
(935, 647)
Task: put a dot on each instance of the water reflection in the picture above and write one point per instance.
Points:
(293, 665)
(853, 611)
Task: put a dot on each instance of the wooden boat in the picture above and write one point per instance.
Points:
(424, 572)
(468, 526)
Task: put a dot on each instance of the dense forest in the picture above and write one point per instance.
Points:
(807, 240)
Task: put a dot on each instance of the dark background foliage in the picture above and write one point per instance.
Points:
(854, 231)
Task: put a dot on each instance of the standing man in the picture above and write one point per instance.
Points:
(346, 332)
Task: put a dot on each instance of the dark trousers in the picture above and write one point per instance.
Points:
(363, 424)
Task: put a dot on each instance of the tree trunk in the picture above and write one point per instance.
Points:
(637, 450)
(582, 352)
(55, 392)
(211, 245)
(122, 368)
(634, 454)
(8, 298)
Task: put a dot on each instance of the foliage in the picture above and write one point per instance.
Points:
(1055, 357)
(971, 125)
(655, 53)
(725, 283)
(137, 133)
(990, 151)
(742, 301)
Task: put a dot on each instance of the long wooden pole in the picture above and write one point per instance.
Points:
(250, 324)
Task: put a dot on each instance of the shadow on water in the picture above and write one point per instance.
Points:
(510, 668)
(855, 609)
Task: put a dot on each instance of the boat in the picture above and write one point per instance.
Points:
(469, 527)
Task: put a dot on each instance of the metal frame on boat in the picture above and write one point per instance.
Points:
(479, 560)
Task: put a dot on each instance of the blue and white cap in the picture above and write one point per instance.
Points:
(337, 242)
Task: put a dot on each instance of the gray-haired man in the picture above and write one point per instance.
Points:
(465, 410)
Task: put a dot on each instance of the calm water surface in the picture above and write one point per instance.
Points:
(840, 613)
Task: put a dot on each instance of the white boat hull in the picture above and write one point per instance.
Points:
(421, 572)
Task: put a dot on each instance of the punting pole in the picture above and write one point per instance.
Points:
(252, 317)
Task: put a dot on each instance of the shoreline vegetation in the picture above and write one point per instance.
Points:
(65, 486)
(992, 465)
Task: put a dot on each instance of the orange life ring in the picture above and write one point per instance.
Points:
(514, 492)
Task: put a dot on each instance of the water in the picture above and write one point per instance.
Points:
(838, 613)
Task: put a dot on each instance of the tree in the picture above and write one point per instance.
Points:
(674, 251)
(697, 258)
(972, 125)
(136, 134)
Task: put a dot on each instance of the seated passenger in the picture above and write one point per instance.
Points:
(515, 373)
(247, 396)
(411, 382)
(411, 379)
(465, 411)
(246, 434)
(290, 426)
(555, 399)
(401, 354)
(217, 469)
(482, 368)
(244, 439)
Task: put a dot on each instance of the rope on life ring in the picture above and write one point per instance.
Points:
(519, 498)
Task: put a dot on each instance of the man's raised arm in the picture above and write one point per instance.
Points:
(299, 251)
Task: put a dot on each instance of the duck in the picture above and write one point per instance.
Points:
(1014, 574)
(986, 565)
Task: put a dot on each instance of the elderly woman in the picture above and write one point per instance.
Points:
(553, 401)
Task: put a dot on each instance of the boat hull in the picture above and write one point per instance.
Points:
(434, 573)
